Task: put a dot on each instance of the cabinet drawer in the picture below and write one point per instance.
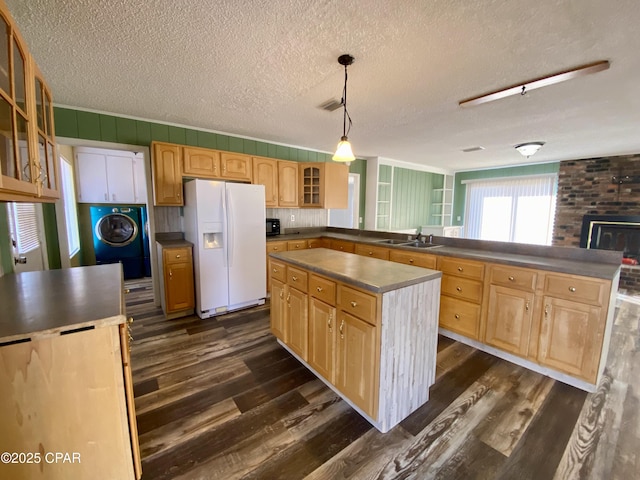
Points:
(513, 277)
(297, 245)
(318, 243)
(371, 251)
(462, 288)
(459, 316)
(343, 246)
(415, 259)
(322, 289)
(461, 268)
(276, 247)
(357, 303)
(177, 255)
(278, 270)
(580, 289)
(297, 278)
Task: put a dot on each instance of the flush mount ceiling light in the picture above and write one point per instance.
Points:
(523, 88)
(528, 149)
(344, 152)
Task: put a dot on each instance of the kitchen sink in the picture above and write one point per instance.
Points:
(418, 244)
(394, 241)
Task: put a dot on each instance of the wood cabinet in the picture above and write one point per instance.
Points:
(278, 309)
(462, 289)
(323, 185)
(236, 166)
(318, 243)
(297, 244)
(265, 172)
(28, 160)
(573, 325)
(201, 162)
(167, 174)
(322, 338)
(342, 245)
(297, 323)
(273, 247)
(110, 176)
(424, 260)
(510, 308)
(371, 251)
(177, 288)
(287, 184)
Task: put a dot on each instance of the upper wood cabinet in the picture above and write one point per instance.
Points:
(28, 161)
(201, 162)
(236, 166)
(287, 184)
(323, 185)
(265, 172)
(167, 174)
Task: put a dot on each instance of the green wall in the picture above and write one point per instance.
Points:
(5, 246)
(51, 234)
(360, 166)
(413, 197)
(460, 190)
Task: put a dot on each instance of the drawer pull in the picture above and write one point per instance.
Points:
(460, 269)
(275, 249)
(370, 253)
(319, 289)
(459, 289)
(341, 326)
(411, 260)
(572, 289)
(354, 304)
(177, 256)
(512, 278)
(297, 245)
(275, 270)
(130, 320)
(127, 291)
(456, 316)
(294, 278)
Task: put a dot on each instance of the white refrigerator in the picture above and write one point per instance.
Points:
(226, 224)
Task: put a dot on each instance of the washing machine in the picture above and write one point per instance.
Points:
(117, 237)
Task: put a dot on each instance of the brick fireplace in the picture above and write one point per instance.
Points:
(588, 188)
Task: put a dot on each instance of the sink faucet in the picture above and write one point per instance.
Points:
(418, 233)
(430, 238)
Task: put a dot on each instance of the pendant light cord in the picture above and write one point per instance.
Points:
(345, 132)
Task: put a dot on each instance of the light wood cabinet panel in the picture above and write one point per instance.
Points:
(265, 172)
(273, 247)
(461, 267)
(342, 245)
(125, 349)
(236, 166)
(297, 322)
(372, 251)
(201, 162)
(167, 175)
(323, 185)
(278, 309)
(179, 287)
(513, 277)
(177, 255)
(297, 245)
(319, 243)
(297, 278)
(356, 352)
(322, 338)
(278, 270)
(509, 319)
(423, 260)
(571, 337)
(460, 316)
(322, 288)
(357, 303)
(287, 184)
(462, 288)
(577, 289)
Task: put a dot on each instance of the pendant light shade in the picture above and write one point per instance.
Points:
(344, 152)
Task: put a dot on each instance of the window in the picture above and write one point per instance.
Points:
(70, 210)
(517, 209)
(23, 225)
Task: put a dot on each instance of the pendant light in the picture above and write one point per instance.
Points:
(344, 152)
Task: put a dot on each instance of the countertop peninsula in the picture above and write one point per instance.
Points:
(370, 274)
(46, 303)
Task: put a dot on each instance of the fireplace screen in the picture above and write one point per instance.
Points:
(613, 232)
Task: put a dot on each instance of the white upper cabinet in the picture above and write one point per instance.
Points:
(110, 176)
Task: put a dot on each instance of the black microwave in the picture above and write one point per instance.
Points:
(273, 227)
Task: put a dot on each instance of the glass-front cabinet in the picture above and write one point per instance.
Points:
(28, 167)
(311, 186)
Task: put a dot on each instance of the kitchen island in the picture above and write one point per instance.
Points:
(65, 376)
(366, 327)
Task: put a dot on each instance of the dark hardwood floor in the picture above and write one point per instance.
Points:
(220, 399)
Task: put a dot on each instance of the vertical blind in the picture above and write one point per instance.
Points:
(70, 209)
(516, 209)
(24, 226)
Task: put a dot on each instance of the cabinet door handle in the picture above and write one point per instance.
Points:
(459, 289)
(341, 326)
(170, 274)
(281, 294)
(288, 298)
(354, 304)
(329, 322)
(546, 310)
(275, 270)
(106, 198)
(572, 289)
(126, 291)
(460, 269)
(511, 278)
(456, 316)
(319, 289)
(294, 278)
(130, 320)
(526, 306)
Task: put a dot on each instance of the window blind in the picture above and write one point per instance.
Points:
(516, 209)
(24, 226)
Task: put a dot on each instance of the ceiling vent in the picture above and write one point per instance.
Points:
(331, 105)
(472, 149)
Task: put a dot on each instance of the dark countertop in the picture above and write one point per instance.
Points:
(575, 261)
(42, 304)
(371, 274)
(174, 243)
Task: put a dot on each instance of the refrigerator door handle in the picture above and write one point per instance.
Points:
(225, 227)
(230, 229)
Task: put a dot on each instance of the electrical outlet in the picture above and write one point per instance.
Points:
(359, 219)
(458, 218)
(293, 217)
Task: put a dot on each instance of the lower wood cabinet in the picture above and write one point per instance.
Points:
(296, 322)
(322, 338)
(177, 288)
(278, 309)
(509, 319)
(342, 245)
(372, 251)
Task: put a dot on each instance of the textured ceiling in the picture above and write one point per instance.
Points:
(261, 68)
